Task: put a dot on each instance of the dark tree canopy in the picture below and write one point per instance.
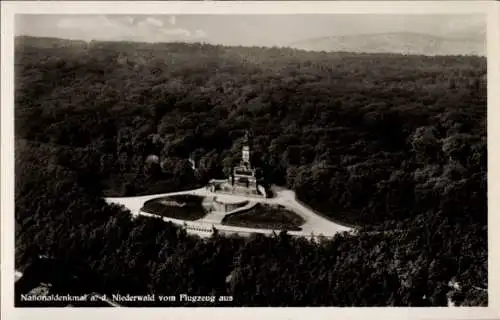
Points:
(393, 144)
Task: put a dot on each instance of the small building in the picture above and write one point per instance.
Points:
(152, 159)
(18, 275)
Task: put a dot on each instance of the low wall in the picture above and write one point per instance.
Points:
(236, 193)
(206, 230)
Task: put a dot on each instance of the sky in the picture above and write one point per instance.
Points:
(246, 30)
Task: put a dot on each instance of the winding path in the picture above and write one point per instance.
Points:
(314, 225)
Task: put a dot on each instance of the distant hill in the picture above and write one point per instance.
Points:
(47, 42)
(401, 42)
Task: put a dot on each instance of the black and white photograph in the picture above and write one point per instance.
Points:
(168, 160)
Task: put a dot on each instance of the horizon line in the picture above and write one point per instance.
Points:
(277, 46)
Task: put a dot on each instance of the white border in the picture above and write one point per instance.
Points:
(9, 9)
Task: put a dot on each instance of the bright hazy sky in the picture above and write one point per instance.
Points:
(249, 30)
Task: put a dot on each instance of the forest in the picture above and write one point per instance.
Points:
(393, 144)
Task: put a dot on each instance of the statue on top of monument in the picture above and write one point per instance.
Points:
(247, 137)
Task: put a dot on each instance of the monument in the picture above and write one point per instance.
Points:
(244, 174)
(242, 179)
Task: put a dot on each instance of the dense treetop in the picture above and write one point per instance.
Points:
(395, 144)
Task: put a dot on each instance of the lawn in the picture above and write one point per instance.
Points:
(185, 207)
(266, 217)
